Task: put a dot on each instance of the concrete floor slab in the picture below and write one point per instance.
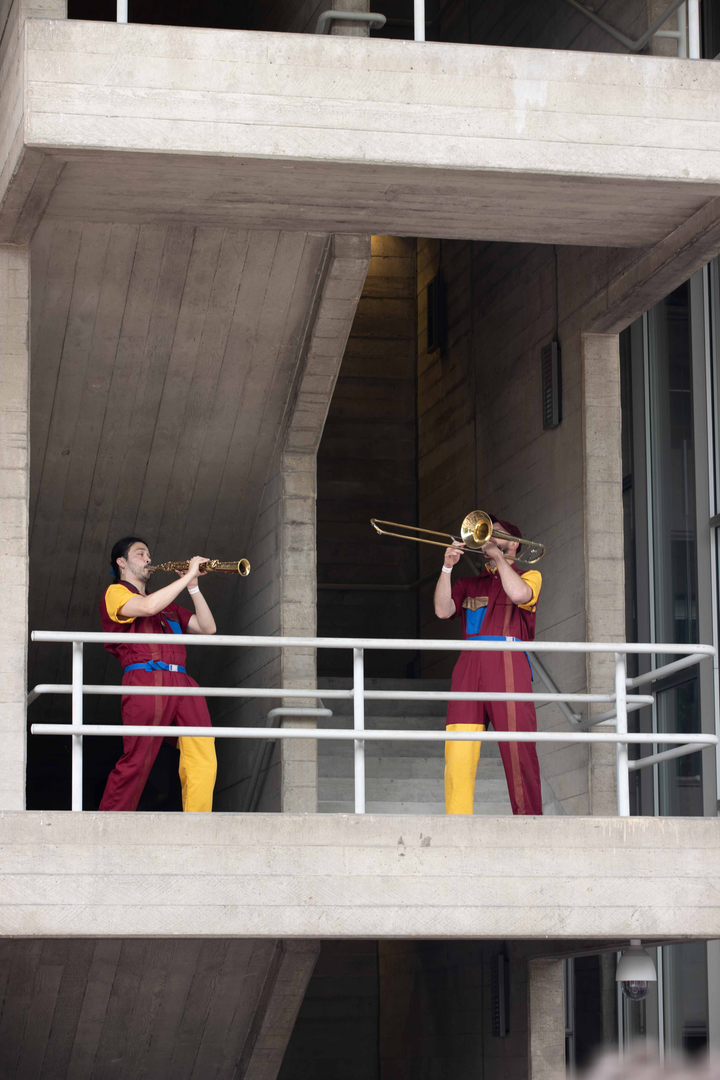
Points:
(322, 875)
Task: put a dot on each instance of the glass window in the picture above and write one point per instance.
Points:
(685, 997)
(680, 780)
(672, 468)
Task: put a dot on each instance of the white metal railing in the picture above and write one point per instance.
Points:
(620, 702)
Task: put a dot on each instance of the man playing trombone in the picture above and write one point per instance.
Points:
(501, 602)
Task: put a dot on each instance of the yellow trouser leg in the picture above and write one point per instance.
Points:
(461, 762)
(198, 768)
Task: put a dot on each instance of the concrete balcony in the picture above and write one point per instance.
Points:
(137, 123)
(332, 876)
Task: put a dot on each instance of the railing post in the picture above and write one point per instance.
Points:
(121, 14)
(77, 718)
(359, 725)
(621, 726)
(419, 19)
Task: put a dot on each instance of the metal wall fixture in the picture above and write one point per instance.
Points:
(635, 971)
(375, 20)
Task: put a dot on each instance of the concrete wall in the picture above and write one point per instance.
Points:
(281, 595)
(433, 1009)
(337, 1030)
(414, 1009)
(367, 468)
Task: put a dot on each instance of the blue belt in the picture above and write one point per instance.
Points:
(154, 665)
(493, 637)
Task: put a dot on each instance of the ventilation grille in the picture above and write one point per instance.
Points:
(551, 386)
(500, 991)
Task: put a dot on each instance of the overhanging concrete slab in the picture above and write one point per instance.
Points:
(351, 134)
(314, 876)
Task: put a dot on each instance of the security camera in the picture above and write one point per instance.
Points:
(635, 971)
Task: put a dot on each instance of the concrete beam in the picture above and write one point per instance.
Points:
(313, 876)
(27, 177)
(373, 135)
(634, 289)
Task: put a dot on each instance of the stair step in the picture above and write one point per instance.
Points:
(387, 789)
(402, 768)
(332, 748)
(347, 807)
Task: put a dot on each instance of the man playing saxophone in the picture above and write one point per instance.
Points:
(127, 607)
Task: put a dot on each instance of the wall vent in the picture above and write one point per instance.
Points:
(551, 386)
(436, 314)
(500, 992)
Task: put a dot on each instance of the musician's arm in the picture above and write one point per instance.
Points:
(140, 606)
(443, 601)
(202, 621)
(515, 588)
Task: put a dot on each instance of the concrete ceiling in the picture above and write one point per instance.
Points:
(163, 360)
(379, 199)
(133, 1008)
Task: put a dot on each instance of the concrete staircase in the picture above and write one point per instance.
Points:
(403, 778)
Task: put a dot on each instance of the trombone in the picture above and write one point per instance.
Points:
(477, 528)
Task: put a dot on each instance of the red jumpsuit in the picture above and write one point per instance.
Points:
(198, 765)
(485, 606)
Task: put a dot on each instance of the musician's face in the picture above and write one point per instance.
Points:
(137, 561)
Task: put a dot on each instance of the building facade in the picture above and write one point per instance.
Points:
(259, 285)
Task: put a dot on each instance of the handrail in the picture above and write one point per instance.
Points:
(618, 699)
(375, 20)
(403, 644)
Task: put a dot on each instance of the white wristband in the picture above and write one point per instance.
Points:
(196, 589)
(447, 569)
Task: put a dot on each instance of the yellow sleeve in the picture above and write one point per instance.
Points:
(115, 597)
(534, 580)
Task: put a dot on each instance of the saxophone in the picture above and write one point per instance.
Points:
(213, 566)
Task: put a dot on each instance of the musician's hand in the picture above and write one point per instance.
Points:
(452, 554)
(194, 570)
(491, 551)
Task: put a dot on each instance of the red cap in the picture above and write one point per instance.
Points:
(506, 526)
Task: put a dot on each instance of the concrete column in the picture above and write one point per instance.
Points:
(546, 1020)
(298, 618)
(14, 491)
(341, 288)
(347, 28)
(603, 541)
